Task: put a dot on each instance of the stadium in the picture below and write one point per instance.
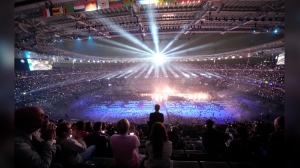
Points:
(107, 59)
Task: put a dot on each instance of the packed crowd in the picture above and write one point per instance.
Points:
(42, 142)
(56, 89)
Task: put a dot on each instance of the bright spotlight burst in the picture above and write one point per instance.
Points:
(158, 59)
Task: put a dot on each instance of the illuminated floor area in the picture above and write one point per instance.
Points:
(92, 108)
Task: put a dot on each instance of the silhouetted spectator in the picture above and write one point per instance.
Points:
(99, 139)
(241, 148)
(159, 148)
(73, 148)
(155, 117)
(60, 120)
(80, 129)
(275, 145)
(110, 129)
(175, 138)
(258, 138)
(132, 130)
(34, 148)
(214, 140)
(140, 130)
(89, 127)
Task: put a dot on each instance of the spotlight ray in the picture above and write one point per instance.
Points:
(203, 74)
(142, 71)
(153, 26)
(109, 75)
(124, 46)
(131, 70)
(156, 71)
(128, 36)
(180, 46)
(133, 50)
(65, 82)
(112, 75)
(189, 69)
(150, 70)
(211, 74)
(163, 69)
(173, 41)
(186, 71)
(130, 74)
(179, 69)
(172, 71)
(190, 49)
(175, 48)
(128, 71)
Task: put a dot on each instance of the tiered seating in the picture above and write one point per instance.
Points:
(179, 155)
(210, 164)
(243, 165)
(99, 162)
(142, 148)
(185, 164)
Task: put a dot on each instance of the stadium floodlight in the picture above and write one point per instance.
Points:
(158, 59)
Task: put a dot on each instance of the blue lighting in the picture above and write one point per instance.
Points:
(254, 31)
(275, 31)
(78, 38)
(27, 54)
(89, 37)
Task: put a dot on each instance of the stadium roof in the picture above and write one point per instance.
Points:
(127, 30)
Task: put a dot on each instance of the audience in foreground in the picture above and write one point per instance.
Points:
(124, 146)
(73, 149)
(35, 142)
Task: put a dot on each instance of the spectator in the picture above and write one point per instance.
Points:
(159, 148)
(32, 150)
(104, 127)
(80, 129)
(241, 148)
(125, 146)
(275, 143)
(214, 140)
(60, 120)
(140, 131)
(110, 129)
(89, 127)
(132, 130)
(73, 149)
(155, 117)
(175, 138)
(99, 139)
(258, 138)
